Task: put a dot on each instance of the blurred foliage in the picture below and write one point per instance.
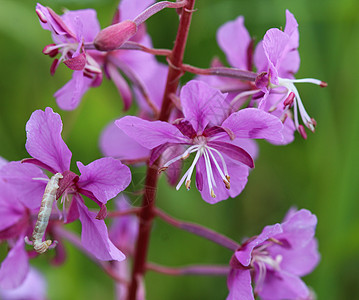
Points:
(319, 174)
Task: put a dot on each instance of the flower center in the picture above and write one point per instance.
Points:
(262, 259)
(201, 148)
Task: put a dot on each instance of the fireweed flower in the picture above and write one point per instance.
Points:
(100, 180)
(277, 57)
(275, 260)
(206, 130)
(69, 32)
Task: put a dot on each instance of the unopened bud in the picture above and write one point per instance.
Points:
(112, 37)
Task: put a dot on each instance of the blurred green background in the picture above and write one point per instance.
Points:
(319, 174)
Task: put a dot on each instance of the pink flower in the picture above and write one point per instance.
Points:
(275, 260)
(218, 140)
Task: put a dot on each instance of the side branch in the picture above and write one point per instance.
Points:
(199, 230)
(209, 270)
(221, 71)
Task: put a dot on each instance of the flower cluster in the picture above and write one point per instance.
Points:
(211, 122)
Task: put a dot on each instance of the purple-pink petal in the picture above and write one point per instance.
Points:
(254, 123)
(69, 96)
(239, 285)
(299, 228)
(244, 254)
(83, 23)
(237, 172)
(94, 236)
(11, 210)
(283, 285)
(236, 153)
(121, 85)
(33, 288)
(114, 142)
(150, 134)
(25, 179)
(234, 40)
(298, 261)
(129, 9)
(105, 178)
(15, 266)
(202, 105)
(44, 141)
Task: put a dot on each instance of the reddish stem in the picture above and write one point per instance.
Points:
(148, 205)
(221, 71)
(199, 230)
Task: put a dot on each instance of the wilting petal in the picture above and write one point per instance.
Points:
(105, 178)
(44, 141)
(15, 266)
(239, 285)
(150, 134)
(255, 124)
(244, 254)
(114, 142)
(202, 105)
(234, 40)
(22, 177)
(94, 236)
(69, 96)
(33, 288)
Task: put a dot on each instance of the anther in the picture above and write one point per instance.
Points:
(188, 185)
(302, 132)
(227, 184)
(213, 195)
(160, 170)
(323, 84)
(289, 100)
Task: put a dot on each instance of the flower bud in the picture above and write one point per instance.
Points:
(112, 37)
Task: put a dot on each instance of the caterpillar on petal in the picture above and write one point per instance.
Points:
(43, 217)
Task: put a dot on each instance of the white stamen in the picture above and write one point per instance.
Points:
(222, 159)
(225, 180)
(243, 94)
